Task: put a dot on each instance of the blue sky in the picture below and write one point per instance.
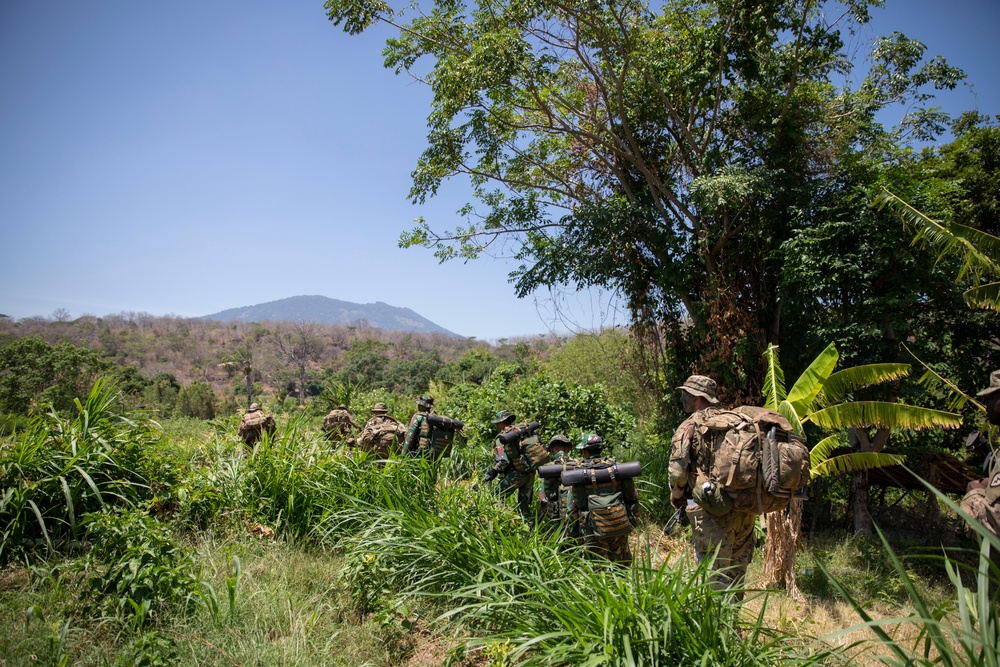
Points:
(188, 157)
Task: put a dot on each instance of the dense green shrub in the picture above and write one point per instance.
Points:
(136, 572)
(38, 373)
(58, 470)
(560, 407)
(196, 400)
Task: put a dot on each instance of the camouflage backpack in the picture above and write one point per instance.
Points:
(524, 448)
(747, 459)
(381, 436)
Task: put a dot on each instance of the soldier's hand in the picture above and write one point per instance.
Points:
(678, 502)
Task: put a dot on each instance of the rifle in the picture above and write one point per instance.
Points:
(675, 519)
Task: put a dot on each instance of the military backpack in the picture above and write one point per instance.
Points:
(747, 459)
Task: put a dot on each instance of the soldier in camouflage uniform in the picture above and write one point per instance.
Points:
(982, 498)
(554, 498)
(254, 424)
(381, 433)
(732, 533)
(338, 424)
(589, 501)
(510, 466)
(418, 425)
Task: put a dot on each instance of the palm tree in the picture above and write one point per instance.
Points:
(978, 251)
(818, 397)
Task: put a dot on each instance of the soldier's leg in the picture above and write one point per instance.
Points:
(708, 536)
(525, 492)
(742, 539)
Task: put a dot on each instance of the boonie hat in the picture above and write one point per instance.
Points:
(994, 385)
(341, 407)
(590, 441)
(424, 399)
(559, 440)
(380, 407)
(502, 417)
(700, 385)
(253, 407)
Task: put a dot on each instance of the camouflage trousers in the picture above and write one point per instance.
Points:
(524, 484)
(733, 536)
(615, 548)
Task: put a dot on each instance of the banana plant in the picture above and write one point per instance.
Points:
(818, 397)
(978, 251)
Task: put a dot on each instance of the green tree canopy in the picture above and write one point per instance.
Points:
(32, 372)
(660, 152)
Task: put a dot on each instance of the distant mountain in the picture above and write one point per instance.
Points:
(331, 311)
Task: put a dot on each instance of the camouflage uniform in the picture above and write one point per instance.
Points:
(732, 532)
(338, 424)
(254, 424)
(418, 426)
(511, 479)
(614, 547)
(554, 498)
(982, 499)
(381, 433)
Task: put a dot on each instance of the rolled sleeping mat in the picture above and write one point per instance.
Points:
(517, 434)
(553, 470)
(444, 422)
(575, 476)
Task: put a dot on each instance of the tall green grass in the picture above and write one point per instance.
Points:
(60, 469)
(964, 631)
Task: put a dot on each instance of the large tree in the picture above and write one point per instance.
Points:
(661, 153)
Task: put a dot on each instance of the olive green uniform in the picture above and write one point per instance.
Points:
(516, 474)
(554, 498)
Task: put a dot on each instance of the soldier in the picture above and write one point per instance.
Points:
(338, 424)
(381, 433)
(254, 424)
(982, 498)
(418, 425)
(604, 513)
(554, 498)
(518, 472)
(732, 532)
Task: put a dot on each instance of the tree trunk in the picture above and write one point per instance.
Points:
(784, 529)
(302, 385)
(859, 503)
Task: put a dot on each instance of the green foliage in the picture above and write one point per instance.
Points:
(664, 152)
(474, 366)
(161, 394)
(561, 407)
(609, 359)
(196, 400)
(137, 572)
(35, 373)
(59, 470)
(965, 632)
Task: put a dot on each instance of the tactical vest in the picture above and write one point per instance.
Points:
(435, 439)
(556, 497)
(603, 512)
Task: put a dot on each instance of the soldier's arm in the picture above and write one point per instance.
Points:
(412, 438)
(680, 463)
